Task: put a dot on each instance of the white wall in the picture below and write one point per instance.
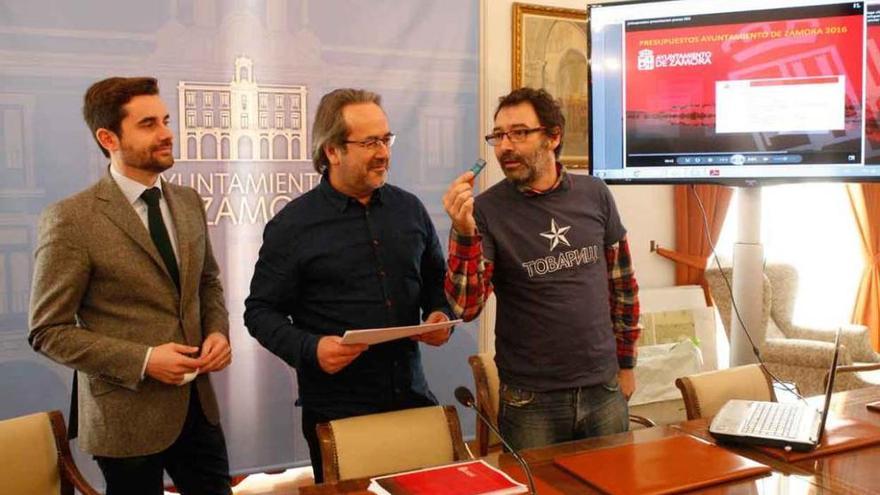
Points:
(647, 214)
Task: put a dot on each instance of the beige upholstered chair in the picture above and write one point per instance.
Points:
(487, 386)
(35, 457)
(795, 353)
(705, 393)
(384, 443)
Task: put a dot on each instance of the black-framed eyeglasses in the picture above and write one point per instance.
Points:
(515, 135)
(372, 143)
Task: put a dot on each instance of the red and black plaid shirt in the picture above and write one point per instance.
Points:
(469, 283)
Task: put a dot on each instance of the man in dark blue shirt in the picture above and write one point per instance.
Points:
(354, 252)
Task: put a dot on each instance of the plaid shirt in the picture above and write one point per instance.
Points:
(468, 283)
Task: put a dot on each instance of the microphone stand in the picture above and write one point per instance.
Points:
(466, 398)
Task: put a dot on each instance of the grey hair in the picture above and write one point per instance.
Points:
(329, 127)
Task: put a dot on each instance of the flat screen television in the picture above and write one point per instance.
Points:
(740, 92)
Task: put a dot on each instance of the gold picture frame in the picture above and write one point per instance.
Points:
(550, 51)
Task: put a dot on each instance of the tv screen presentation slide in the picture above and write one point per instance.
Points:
(701, 91)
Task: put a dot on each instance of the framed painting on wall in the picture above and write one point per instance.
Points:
(550, 51)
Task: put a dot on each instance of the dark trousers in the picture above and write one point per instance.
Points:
(196, 461)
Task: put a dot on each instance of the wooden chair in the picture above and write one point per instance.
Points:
(35, 457)
(487, 386)
(376, 444)
(705, 393)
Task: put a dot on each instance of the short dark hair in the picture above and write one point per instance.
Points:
(330, 126)
(548, 109)
(104, 101)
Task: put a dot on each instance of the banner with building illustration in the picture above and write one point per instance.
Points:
(242, 79)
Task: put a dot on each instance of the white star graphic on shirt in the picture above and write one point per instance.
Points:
(556, 235)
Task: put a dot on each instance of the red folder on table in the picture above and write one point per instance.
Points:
(669, 465)
(841, 434)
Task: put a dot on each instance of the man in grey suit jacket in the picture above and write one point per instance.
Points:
(126, 292)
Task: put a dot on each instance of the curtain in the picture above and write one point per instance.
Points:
(692, 249)
(865, 201)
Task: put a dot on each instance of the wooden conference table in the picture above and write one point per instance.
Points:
(851, 472)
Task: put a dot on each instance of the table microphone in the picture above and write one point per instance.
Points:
(466, 398)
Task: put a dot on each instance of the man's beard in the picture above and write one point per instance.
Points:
(531, 166)
(380, 163)
(374, 167)
(144, 159)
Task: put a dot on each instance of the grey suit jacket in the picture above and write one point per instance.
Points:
(101, 296)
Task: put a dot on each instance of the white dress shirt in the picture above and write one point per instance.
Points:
(132, 190)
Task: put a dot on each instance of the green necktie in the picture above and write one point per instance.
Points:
(159, 233)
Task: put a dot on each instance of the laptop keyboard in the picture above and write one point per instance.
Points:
(773, 419)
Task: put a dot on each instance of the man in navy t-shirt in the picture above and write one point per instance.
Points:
(552, 247)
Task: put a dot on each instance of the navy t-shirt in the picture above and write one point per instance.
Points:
(553, 326)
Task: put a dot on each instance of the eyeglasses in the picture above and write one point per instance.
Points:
(372, 143)
(515, 135)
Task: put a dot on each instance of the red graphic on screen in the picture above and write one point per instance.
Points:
(872, 96)
(671, 76)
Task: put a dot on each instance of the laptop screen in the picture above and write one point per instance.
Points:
(829, 387)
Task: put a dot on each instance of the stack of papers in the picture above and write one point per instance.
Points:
(372, 336)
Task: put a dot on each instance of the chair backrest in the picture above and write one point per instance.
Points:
(705, 393)
(28, 456)
(721, 296)
(487, 389)
(376, 444)
(784, 280)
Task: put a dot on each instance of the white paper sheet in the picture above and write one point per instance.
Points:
(378, 335)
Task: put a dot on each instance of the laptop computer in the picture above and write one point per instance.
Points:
(796, 426)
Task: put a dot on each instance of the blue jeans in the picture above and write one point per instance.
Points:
(534, 419)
